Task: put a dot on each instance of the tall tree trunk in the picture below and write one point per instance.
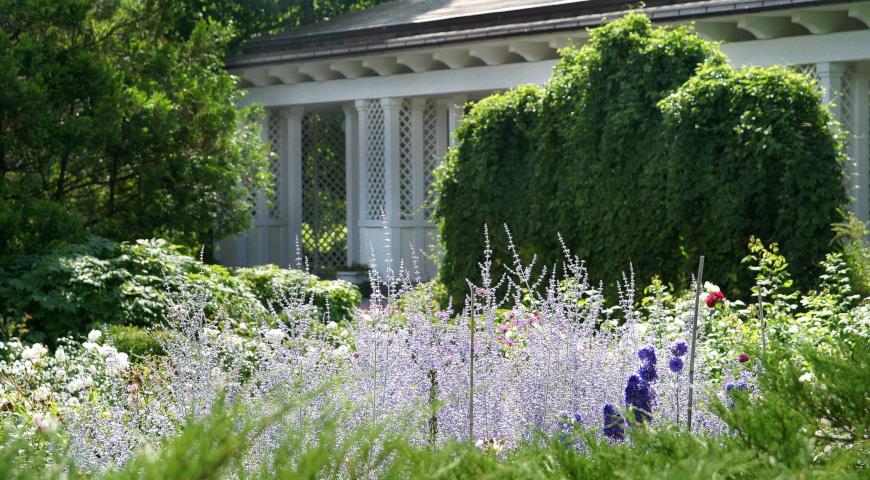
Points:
(113, 178)
(61, 179)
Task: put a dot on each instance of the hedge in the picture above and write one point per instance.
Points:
(100, 282)
(644, 151)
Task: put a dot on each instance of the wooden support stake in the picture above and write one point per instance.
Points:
(698, 283)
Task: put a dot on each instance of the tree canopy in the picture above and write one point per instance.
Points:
(118, 119)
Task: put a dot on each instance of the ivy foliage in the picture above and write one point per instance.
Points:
(101, 282)
(644, 147)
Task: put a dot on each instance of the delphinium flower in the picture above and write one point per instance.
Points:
(640, 397)
(614, 424)
(647, 370)
(679, 349)
(675, 364)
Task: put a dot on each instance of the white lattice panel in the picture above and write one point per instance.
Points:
(430, 151)
(375, 161)
(406, 162)
(324, 200)
(808, 69)
(847, 100)
(274, 133)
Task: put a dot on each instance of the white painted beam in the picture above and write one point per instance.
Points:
(455, 58)
(765, 27)
(532, 51)
(818, 22)
(318, 71)
(861, 12)
(417, 62)
(259, 76)
(349, 68)
(834, 47)
(436, 82)
(287, 74)
(383, 65)
(491, 54)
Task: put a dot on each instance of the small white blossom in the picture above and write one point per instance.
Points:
(274, 335)
(94, 335)
(41, 394)
(331, 326)
(60, 354)
(807, 377)
(341, 351)
(33, 352)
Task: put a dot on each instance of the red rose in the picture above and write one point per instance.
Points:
(714, 298)
(743, 358)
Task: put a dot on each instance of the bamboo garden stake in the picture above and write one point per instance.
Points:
(698, 283)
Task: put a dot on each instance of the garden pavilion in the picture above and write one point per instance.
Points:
(361, 107)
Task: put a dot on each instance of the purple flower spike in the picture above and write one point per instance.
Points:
(648, 372)
(679, 349)
(640, 396)
(614, 424)
(676, 364)
(648, 355)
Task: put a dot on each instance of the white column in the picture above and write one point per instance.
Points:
(391, 108)
(259, 248)
(417, 173)
(860, 142)
(455, 112)
(352, 168)
(293, 129)
(831, 78)
(362, 109)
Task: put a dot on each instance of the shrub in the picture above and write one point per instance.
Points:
(136, 341)
(751, 152)
(273, 285)
(101, 282)
(608, 155)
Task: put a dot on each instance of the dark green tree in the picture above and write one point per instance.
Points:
(118, 119)
(114, 123)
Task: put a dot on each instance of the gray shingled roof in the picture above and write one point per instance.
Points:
(402, 24)
(407, 12)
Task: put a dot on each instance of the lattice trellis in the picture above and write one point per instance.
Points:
(847, 101)
(430, 152)
(274, 133)
(808, 69)
(406, 162)
(375, 164)
(324, 200)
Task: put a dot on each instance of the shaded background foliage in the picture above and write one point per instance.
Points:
(100, 282)
(118, 119)
(632, 154)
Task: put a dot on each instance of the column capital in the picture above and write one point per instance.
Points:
(361, 104)
(349, 109)
(824, 69)
(292, 112)
(391, 103)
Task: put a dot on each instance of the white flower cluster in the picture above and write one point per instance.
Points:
(38, 385)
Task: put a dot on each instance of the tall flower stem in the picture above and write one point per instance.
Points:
(698, 283)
